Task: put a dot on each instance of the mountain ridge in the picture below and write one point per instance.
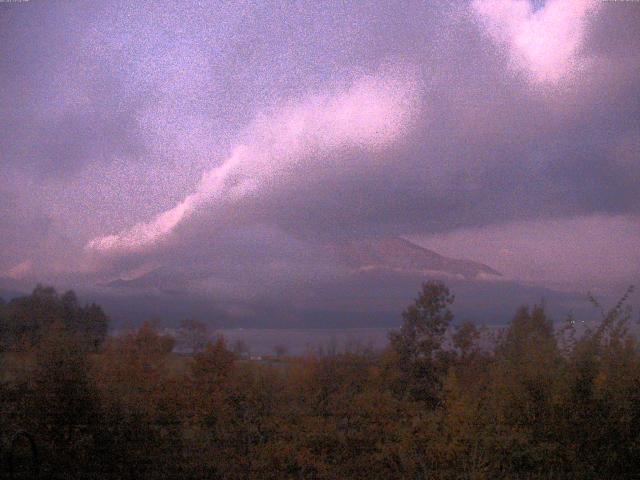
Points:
(400, 254)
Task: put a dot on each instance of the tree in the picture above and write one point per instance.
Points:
(280, 350)
(212, 441)
(193, 335)
(63, 404)
(4, 330)
(213, 365)
(418, 343)
(240, 348)
(141, 405)
(465, 340)
(524, 392)
(26, 319)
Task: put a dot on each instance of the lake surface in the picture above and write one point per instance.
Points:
(301, 341)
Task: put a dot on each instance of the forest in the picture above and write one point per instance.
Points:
(536, 399)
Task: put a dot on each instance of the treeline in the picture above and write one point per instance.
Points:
(533, 401)
(24, 321)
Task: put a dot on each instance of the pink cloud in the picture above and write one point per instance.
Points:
(20, 270)
(544, 43)
(369, 115)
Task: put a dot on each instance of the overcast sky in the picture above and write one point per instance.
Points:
(144, 133)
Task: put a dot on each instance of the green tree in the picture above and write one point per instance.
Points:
(418, 345)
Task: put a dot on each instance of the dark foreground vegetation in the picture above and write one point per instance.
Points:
(440, 402)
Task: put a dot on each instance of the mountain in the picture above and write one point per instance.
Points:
(398, 254)
(364, 283)
(156, 277)
(395, 255)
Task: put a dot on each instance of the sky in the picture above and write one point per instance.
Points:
(228, 141)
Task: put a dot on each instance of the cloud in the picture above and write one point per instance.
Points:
(141, 121)
(368, 116)
(582, 253)
(545, 43)
(20, 270)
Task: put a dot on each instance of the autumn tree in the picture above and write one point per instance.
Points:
(602, 381)
(280, 350)
(63, 405)
(534, 401)
(241, 349)
(212, 415)
(523, 393)
(466, 341)
(140, 435)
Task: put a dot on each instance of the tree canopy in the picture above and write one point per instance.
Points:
(25, 320)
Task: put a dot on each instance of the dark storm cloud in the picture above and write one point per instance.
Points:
(103, 130)
(61, 108)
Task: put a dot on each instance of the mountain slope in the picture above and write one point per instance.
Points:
(402, 255)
